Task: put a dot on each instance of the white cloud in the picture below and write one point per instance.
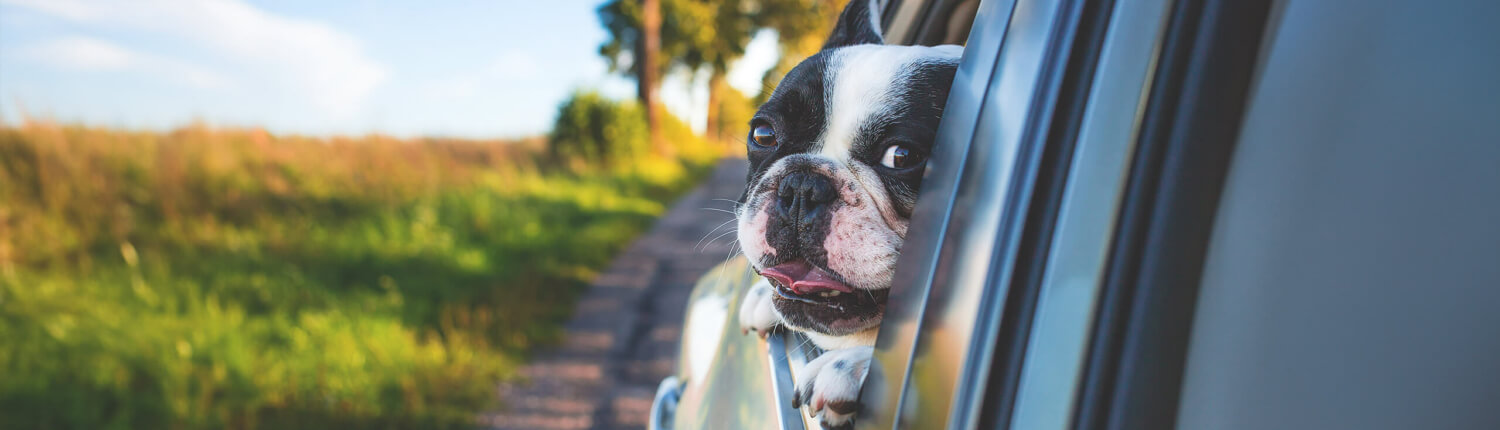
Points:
(73, 10)
(82, 53)
(314, 59)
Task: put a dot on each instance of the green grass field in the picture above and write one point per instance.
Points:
(233, 279)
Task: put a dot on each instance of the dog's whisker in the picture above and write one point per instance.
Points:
(710, 232)
(734, 207)
(719, 210)
(805, 341)
(716, 238)
(711, 241)
(733, 249)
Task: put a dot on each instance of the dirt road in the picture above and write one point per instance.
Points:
(622, 339)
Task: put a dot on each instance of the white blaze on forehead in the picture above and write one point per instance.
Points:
(863, 81)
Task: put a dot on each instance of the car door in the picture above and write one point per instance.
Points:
(1208, 214)
(1036, 169)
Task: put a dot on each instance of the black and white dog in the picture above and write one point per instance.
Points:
(836, 155)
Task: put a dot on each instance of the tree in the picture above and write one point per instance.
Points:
(714, 33)
(711, 34)
(694, 34)
(717, 33)
(636, 29)
(801, 27)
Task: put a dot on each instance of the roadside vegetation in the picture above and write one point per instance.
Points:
(232, 278)
(208, 278)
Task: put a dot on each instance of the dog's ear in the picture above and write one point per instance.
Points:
(858, 25)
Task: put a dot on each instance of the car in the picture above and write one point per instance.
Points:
(1197, 214)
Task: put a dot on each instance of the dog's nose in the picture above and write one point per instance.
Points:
(802, 196)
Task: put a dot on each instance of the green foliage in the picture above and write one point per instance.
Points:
(713, 33)
(599, 130)
(801, 27)
(694, 34)
(234, 279)
(596, 131)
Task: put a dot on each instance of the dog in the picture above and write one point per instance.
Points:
(836, 156)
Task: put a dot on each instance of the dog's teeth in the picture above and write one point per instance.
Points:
(832, 294)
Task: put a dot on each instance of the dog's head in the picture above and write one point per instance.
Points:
(836, 155)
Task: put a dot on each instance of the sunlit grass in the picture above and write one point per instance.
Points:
(210, 278)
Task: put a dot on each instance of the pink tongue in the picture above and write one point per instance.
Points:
(803, 278)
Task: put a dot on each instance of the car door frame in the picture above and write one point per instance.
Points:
(961, 322)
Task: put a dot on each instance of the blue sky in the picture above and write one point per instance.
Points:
(450, 68)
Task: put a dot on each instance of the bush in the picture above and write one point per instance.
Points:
(597, 131)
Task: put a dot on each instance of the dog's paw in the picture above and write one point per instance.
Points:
(757, 313)
(829, 385)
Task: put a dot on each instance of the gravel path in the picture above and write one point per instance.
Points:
(622, 339)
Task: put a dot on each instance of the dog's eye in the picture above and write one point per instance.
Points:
(899, 157)
(763, 136)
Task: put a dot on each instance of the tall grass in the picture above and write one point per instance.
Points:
(220, 278)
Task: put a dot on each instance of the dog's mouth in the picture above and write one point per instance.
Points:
(800, 280)
(818, 299)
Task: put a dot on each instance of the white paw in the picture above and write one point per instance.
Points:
(829, 385)
(757, 313)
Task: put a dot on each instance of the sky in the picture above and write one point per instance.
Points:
(479, 69)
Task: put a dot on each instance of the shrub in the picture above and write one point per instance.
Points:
(598, 130)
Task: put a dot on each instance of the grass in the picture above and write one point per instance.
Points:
(221, 278)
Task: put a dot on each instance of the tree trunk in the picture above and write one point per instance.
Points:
(647, 81)
(713, 130)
